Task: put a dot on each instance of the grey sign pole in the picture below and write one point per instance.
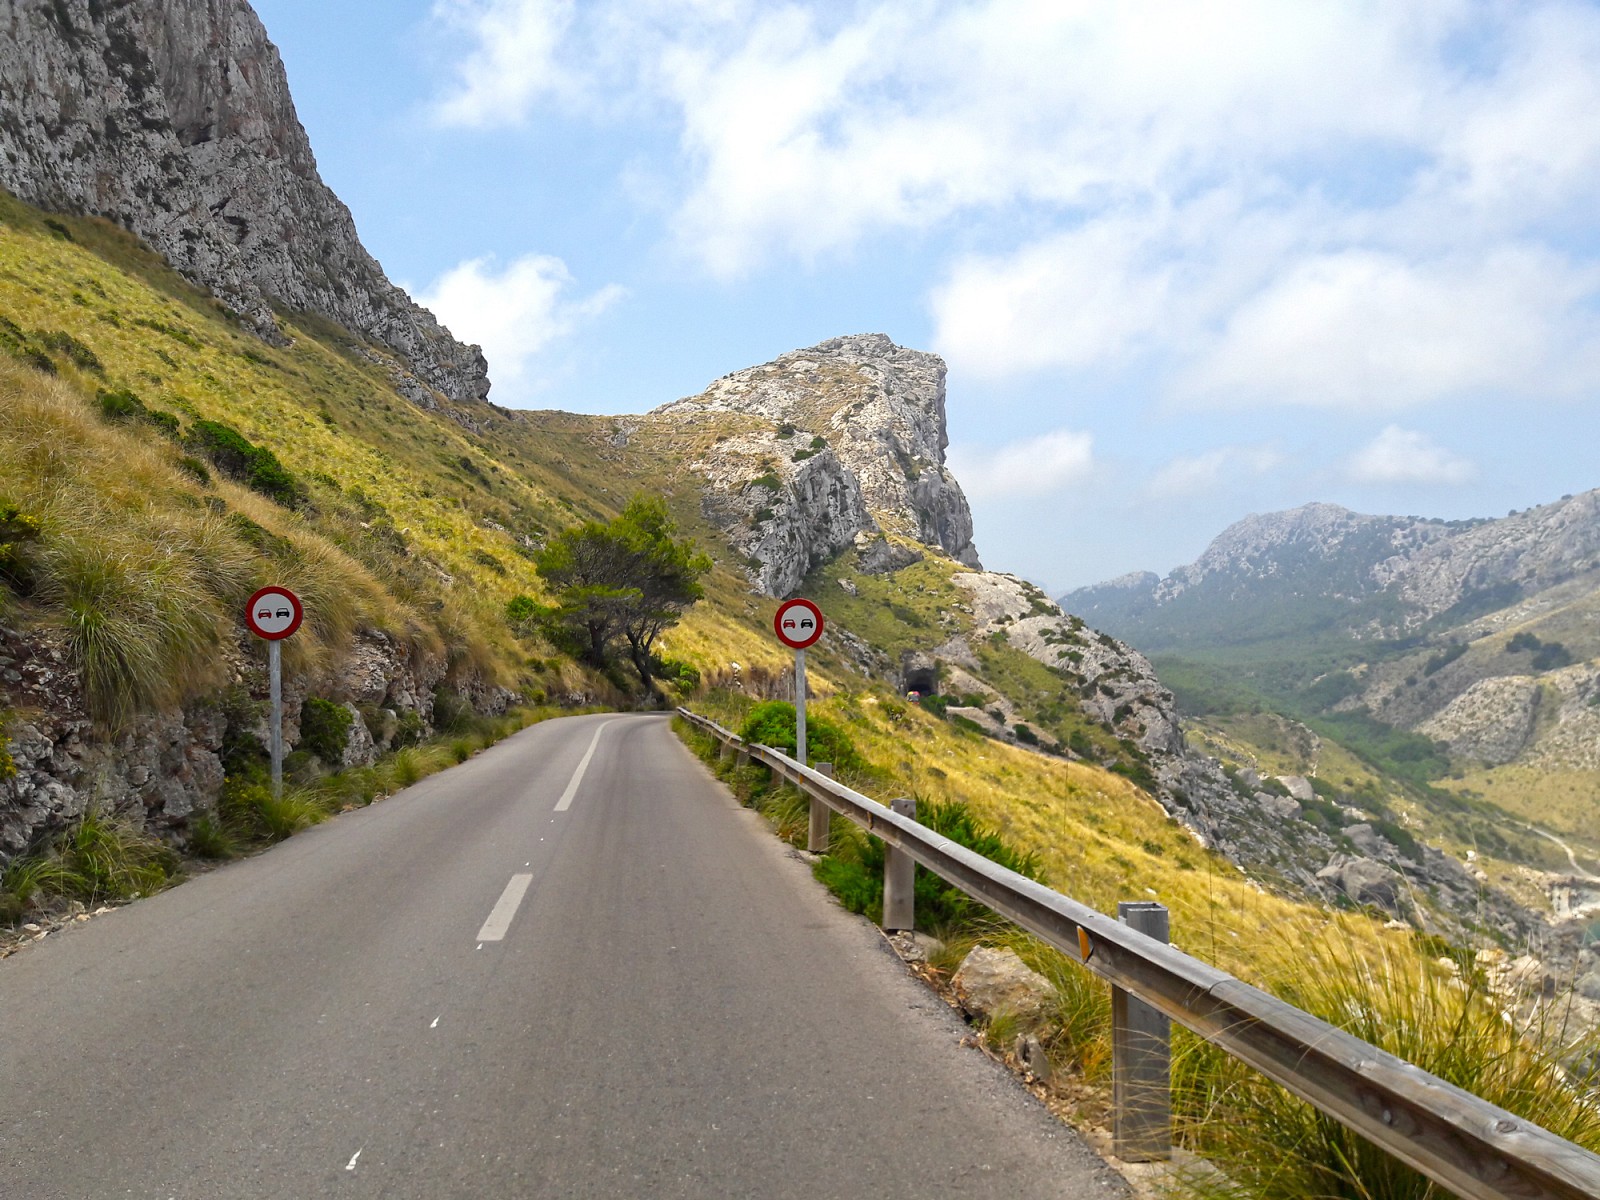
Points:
(800, 705)
(275, 667)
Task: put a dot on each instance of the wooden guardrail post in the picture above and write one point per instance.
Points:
(817, 836)
(1141, 1057)
(899, 877)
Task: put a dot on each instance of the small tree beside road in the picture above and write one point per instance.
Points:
(623, 580)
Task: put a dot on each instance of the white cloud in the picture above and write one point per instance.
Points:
(514, 314)
(1352, 204)
(1366, 330)
(513, 61)
(1198, 474)
(1074, 299)
(1405, 456)
(1032, 467)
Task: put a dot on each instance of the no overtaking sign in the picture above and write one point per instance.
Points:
(798, 623)
(274, 613)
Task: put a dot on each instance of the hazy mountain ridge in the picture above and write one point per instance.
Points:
(173, 119)
(1348, 574)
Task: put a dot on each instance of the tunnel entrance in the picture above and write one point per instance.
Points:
(923, 680)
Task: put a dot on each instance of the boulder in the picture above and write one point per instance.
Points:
(1299, 787)
(991, 983)
(1283, 808)
(1363, 880)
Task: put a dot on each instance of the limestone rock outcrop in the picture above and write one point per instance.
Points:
(1491, 721)
(172, 118)
(844, 438)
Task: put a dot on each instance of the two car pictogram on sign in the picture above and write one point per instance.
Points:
(798, 623)
(274, 613)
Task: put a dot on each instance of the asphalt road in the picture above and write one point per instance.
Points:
(507, 981)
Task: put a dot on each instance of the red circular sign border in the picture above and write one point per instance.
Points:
(276, 590)
(795, 644)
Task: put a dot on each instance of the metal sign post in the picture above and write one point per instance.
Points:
(798, 624)
(275, 738)
(800, 706)
(273, 614)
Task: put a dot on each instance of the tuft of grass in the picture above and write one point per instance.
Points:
(210, 838)
(103, 858)
(252, 809)
(1270, 1145)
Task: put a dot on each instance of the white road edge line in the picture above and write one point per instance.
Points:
(577, 776)
(494, 929)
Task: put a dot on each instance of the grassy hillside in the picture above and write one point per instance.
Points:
(387, 514)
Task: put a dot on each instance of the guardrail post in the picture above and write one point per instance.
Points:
(744, 756)
(817, 837)
(899, 877)
(724, 750)
(1141, 1057)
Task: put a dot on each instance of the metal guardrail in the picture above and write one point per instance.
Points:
(1472, 1147)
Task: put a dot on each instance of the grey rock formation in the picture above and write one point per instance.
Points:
(1363, 880)
(991, 983)
(1116, 684)
(166, 769)
(173, 119)
(851, 430)
(1491, 721)
(784, 517)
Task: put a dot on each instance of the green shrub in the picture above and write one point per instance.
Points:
(74, 351)
(325, 729)
(684, 675)
(210, 838)
(139, 630)
(18, 533)
(57, 229)
(120, 404)
(853, 869)
(772, 723)
(408, 729)
(240, 459)
(484, 559)
(103, 858)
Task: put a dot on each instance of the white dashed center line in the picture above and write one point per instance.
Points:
(504, 909)
(577, 776)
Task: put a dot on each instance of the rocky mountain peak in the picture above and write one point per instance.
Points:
(853, 431)
(172, 118)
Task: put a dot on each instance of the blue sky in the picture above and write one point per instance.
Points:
(1186, 260)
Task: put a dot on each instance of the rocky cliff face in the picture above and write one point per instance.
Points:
(166, 768)
(842, 439)
(173, 119)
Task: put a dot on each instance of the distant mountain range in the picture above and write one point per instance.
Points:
(1481, 636)
(1321, 573)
